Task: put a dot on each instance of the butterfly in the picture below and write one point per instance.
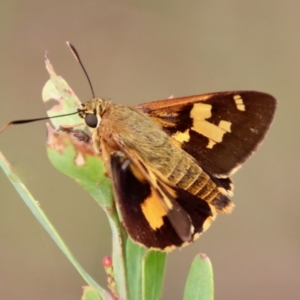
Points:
(170, 161)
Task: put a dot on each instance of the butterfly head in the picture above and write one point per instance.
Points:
(92, 111)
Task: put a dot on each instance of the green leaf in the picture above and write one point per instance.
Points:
(134, 257)
(145, 272)
(42, 218)
(79, 161)
(154, 264)
(199, 284)
(89, 293)
(57, 90)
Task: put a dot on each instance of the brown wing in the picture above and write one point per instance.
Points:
(154, 214)
(220, 130)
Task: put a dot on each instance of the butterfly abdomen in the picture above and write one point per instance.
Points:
(189, 176)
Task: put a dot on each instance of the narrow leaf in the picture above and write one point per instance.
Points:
(154, 264)
(134, 257)
(41, 217)
(199, 284)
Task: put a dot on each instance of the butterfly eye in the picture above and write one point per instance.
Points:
(91, 120)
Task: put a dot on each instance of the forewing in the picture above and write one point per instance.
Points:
(220, 130)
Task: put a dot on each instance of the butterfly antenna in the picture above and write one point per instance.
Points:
(76, 55)
(16, 122)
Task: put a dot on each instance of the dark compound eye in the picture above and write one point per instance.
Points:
(91, 120)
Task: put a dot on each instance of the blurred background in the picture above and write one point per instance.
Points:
(139, 51)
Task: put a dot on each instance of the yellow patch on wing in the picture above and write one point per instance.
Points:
(153, 210)
(239, 102)
(225, 125)
(210, 144)
(137, 173)
(214, 133)
(209, 220)
(182, 136)
(201, 111)
(199, 114)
